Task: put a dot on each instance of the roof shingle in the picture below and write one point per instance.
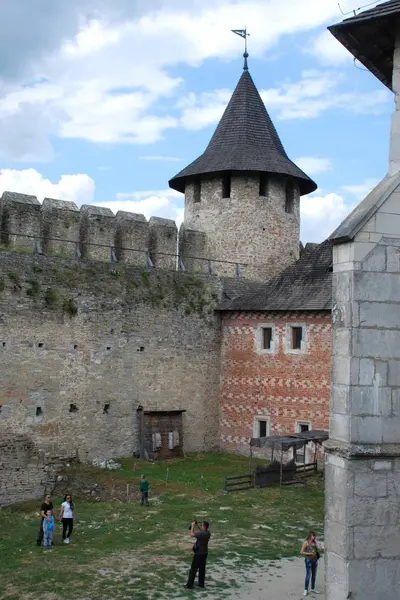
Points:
(306, 285)
(245, 140)
(370, 37)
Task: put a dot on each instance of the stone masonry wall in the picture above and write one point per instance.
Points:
(282, 386)
(245, 228)
(76, 336)
(362, 517)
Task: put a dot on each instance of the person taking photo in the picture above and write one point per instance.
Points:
(200, 550)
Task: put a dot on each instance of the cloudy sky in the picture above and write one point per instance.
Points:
(103, 101)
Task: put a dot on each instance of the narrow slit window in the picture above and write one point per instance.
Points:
(106, 408)
(297, 338)
(266, 338)
(197, 191)
(39, 411)
(73, 408)
(262, 428)
(226, 186)
(290, 196)
(263, 189)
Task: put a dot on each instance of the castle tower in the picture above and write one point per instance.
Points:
(242, 196)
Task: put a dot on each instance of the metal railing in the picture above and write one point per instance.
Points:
(80, 251)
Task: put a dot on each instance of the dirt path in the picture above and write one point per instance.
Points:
(280, 580)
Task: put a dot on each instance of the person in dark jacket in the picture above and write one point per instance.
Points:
(200, 550)
(144, 490)
(45, 506)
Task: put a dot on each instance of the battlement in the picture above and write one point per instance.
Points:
(60, 228)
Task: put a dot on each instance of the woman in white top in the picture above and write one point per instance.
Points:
(67, 517)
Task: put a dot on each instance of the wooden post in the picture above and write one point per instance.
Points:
(280, 478)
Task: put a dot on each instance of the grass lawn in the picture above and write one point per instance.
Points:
(121, 550)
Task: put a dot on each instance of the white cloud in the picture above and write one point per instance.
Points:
(328, 50)
(150, 203)
(321, 214)
(312, 165)
(361, 190)
(161, 158)
(319, 91)
(77, 188)
(204, 109)
(103, 74)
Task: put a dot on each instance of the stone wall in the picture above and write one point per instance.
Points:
(59, 228)
(362, 517)
(76, 336)
(245, 228)
(281, 386)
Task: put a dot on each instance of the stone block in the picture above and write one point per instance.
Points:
(192, 247)
(378, 314)
(20, 221)
(370, 400)
(362, 250)
(371, 541)
(60, 226)
(97, 232)
(340, 427)
(343, 253)
(370, 485)
(391, 204)
(387, 223)
(391, 430)
(131, 238)
(340, 399)
(366, 430)
(394, 373)
(337, 538)
(367, 371)
(372, 579)
(379, 511)
(336, 575)
(377, 343)
(376, 287)
(393, 259)
(375, 260)
(163, 242)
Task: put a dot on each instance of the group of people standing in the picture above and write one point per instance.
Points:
(47, 521)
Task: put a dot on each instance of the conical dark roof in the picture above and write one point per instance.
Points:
(245, 140)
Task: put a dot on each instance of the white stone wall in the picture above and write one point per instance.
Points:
(363, 455)
(246, 228)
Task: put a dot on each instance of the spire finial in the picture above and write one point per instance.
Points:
(243, 34)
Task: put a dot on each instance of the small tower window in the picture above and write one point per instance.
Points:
(263, 191)
(197, 190)
(226, 186)
(290, 196)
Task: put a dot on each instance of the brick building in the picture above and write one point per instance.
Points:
(276, 353)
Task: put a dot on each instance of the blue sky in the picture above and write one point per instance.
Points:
(109, 99)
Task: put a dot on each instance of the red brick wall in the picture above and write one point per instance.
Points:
(286, 387)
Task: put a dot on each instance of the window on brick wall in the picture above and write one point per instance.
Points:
(266, 340)
(261, 427)
(295, 338)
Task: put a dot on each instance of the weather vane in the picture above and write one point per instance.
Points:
(243, 34)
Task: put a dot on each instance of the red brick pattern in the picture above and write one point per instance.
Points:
(284, 386)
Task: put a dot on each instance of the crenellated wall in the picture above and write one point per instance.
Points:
(59, 228)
